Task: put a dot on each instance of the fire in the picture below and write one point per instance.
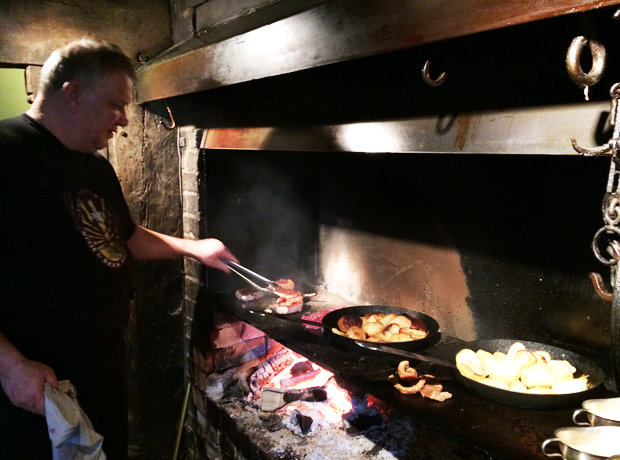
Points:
(338, 403)
(338, 400)
(319, 380)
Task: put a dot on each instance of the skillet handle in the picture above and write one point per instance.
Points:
(395, 351)
(545, 443)
(292, 319)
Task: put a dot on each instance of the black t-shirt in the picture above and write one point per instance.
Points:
(65, 269)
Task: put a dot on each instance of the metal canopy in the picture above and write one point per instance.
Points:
(332, 32)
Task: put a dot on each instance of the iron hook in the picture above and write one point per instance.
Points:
(595, 152)
(573, 64)
(426, 77)
(599, 287)
(172, 126)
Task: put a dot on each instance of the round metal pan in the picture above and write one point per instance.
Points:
(331, 321)
(527, 400)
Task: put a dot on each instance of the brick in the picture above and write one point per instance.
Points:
(212, 452)
(225, 358)
(198, 398)
(213, 415)
(190, 182)
(190, 305)
(200, 378)
(192, 287)
(222, 319)
(192, 267)
(190, 160)
(190, 203)
(236, 333)
(227, 448)
(212, 435)
(199, 358)
(201, 420)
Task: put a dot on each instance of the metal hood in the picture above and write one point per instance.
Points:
(292, 62)
(329, 32)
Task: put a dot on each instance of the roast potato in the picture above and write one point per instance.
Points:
(378, 327)
(520, 370)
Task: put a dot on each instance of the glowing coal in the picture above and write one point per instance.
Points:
(328, 413)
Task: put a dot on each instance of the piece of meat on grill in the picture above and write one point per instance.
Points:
(290, 301)
(408, 382)
(248, 294)
(434, 390)
(285, 284)
(287, 293)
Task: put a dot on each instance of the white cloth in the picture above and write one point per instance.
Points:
(71, 432)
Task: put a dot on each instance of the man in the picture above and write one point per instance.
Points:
(67, 244)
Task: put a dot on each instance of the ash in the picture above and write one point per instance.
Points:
(397, 436)
(279, 438)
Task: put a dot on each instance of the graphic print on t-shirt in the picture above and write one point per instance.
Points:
(100, 228)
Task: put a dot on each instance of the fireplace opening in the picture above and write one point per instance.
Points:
(283, 406)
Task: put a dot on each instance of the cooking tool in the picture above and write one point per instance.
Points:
(245, 272)
(599, 412)
(330, 321)
(592, 443)
(273, 398)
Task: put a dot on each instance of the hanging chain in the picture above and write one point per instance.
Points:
(611, 201)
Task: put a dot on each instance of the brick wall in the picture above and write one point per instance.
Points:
(214, 342)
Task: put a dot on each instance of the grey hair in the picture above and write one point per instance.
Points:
(85, 61)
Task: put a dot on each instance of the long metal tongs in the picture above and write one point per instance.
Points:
(242, 272)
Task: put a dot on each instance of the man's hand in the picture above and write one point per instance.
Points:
(209, 252)
(149, 245)
(24, 384)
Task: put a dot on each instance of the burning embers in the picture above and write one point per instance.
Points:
(306, 396)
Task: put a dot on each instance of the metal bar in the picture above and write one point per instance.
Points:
(531, 130)
(177, 443)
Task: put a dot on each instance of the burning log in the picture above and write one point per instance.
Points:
(269, 369)
(301, 368)
(272, 398)
(291, 382)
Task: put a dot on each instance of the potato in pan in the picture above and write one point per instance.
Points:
(380, 327)
(521, 370)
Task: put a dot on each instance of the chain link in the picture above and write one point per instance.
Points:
(611, 202)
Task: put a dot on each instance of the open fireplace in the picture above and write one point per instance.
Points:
(363, 183)
(255, 413)
(462, 239)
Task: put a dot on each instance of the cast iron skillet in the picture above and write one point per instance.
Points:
(330, 320)
(512, 398)
(527, 400)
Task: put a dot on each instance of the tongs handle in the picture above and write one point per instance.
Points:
(242, 271)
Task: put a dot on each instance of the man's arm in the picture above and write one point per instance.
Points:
(148, 245)
(23, 381)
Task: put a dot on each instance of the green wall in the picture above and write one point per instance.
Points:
(13, 98)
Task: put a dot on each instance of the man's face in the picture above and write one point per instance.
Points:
(102, 110)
